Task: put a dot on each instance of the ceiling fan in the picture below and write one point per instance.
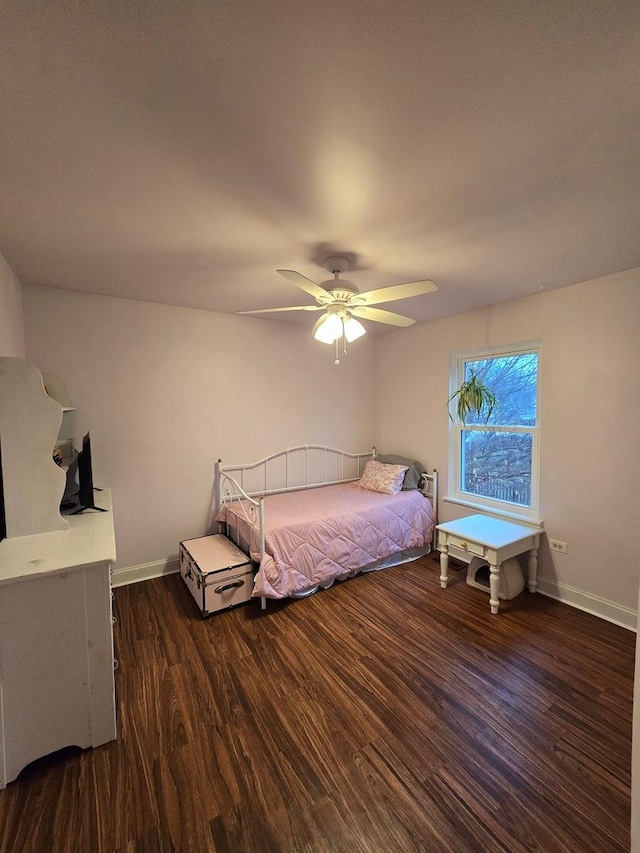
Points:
(342, 303)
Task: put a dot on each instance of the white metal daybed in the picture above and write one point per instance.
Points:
(304, 519)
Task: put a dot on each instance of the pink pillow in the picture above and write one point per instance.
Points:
(380, 477)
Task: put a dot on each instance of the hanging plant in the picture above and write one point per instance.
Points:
(473, 396)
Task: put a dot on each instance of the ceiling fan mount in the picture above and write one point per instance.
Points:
(336, 264)
(340, 288)
(342, 302)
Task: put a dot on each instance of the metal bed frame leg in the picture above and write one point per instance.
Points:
(263, 603)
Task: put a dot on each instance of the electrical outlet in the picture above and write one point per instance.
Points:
(557, 546)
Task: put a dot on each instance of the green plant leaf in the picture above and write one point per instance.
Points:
(473, 396)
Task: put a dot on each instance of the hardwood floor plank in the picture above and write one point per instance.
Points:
(408, 797)
(384, 714)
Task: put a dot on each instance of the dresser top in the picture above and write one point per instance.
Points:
(89, 540)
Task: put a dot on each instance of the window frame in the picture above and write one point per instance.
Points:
(458, 362)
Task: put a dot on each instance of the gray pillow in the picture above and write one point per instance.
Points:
(414, 472)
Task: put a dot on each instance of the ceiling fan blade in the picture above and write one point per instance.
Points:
(305, 283)
(380, 316)
(287, 308)
(398, 291)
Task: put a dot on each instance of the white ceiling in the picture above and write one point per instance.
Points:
(179, 151)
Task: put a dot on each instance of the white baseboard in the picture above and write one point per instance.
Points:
(600, 607)
(145, 572)
(593, 604)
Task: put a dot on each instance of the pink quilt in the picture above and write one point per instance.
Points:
(320, 535)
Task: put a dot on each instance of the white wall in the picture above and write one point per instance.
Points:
(165, 391)
(11, 320)
(590, 411)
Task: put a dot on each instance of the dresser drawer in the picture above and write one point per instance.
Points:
(467, 545)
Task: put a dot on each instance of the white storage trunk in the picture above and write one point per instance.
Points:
(218, 574)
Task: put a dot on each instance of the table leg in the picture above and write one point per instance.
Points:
(494, 585)
(533, 569)
(444, 564)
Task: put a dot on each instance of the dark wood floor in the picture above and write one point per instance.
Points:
(384, 714)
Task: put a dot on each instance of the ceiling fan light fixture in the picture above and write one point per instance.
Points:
(353, 329)
(341, 302)
(328, 329)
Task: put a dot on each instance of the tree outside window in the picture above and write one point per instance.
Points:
(495, 455)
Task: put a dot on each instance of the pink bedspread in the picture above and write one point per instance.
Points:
(316, 536)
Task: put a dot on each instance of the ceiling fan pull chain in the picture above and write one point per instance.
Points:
(337, 361)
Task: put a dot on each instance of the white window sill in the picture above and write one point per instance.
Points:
(538, 523)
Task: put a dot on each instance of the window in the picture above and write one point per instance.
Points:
(494, 465)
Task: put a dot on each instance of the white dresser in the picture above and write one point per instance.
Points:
(56, 640)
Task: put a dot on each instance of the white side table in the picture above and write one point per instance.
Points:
(492, 539)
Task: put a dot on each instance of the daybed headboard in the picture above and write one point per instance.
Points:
(305, 467)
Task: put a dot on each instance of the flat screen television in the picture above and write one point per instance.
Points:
(85, 479)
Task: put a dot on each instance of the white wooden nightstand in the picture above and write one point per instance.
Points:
(492, 539)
